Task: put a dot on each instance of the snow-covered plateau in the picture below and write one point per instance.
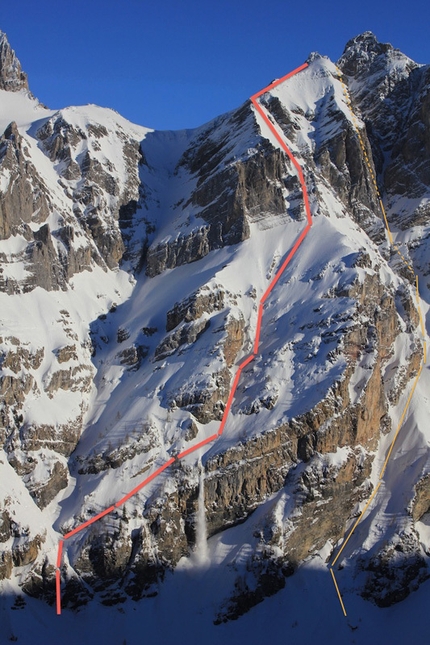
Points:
(132, 267)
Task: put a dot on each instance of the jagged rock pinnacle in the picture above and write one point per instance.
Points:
(12, 78)
(361, 51)
(366, 42)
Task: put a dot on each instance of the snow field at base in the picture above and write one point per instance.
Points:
(305, 611)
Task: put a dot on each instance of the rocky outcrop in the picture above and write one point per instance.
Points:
(409, 169)
(421, 501)
(58, 139)
(43, 477)
(184, 334)
(25, 197)
(205, 300)
(73, 258)
(234, 339)
(45, 267)
(141, 438)
(138, 557)
(183, 250)
(338, 157)
(63, 436)
(73, 379)
(133, 356)
(25, 551)
(100, 562)
(13, 390)
(242, 478)
(24, 202)
(40, 582)
(6, 564)
(66, 353)
(324, 496)
(57, 479)
(20, 546)
(344, 166)
(249, 187)
(264, 576)
(238, 480)
(103, 204)
(22, 357)
(204, 397)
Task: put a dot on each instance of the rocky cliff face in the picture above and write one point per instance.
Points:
(132, 266)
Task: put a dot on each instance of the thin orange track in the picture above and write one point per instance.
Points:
(424, 345)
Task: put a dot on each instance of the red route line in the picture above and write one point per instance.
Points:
(197, 446)
(258, 328)
(242, 365)
(285, 264)
(58, 576)
(84, 525)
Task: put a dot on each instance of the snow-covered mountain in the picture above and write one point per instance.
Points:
(132, 267)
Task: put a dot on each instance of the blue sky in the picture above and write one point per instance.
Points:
(172, 64)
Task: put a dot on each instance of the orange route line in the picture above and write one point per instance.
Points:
(421, 325)
(357, 522)
(402, 418)
(242, 365)
(338, 592)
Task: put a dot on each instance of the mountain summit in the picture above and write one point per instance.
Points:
(12, 78)
(134, 276)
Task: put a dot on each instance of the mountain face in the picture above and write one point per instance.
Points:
(132, 267)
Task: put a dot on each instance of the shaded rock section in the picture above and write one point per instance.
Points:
(394, 571)
(205, 300)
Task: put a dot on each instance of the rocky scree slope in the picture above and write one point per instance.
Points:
(132, 264)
